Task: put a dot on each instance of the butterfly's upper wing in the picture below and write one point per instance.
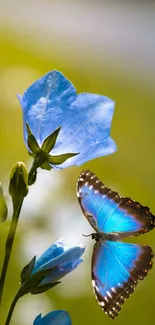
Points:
(116, 269)
(108, 212)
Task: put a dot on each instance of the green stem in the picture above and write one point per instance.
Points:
(12, 309)
(9, 242)
(17, 205)
(40, 159)
(33, 171)
(32, 174)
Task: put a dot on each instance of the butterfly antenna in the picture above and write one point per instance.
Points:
(87, 235)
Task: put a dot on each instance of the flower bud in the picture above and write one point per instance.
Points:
(3, 206)
(18, 186)
(56, 317)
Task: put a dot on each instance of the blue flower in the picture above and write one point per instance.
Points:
(59, 257)
(42, 274)
(85, 119)
(57, 317)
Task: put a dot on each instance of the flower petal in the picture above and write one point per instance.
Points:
(57, 317)
(72, 254)
(61, 271)
(53, 251)
(45, 102)
(86, 130)
(104, 148)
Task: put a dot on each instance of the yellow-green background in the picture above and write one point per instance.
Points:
(102, 47)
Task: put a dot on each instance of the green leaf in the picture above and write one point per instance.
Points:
(32, 143)
(31, 154)
(3, 206)
(50, 141)
(43, 288)
(46, 166)
(32, 284)
(37, 277)
(27, 270)
(57, 160)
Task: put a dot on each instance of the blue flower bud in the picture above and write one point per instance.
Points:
(57, 317)
(57, 261)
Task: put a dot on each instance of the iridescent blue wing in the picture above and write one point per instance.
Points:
(108, 212)
(116, 269)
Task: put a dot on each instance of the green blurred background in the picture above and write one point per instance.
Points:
(104, 47)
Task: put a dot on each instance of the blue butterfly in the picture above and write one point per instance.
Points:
(116, 266)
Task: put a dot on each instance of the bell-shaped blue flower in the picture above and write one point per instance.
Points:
(85, 119)
(57, 317)
(42, 274)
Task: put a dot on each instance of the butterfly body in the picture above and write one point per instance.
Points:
(102, 236)
(116, 266)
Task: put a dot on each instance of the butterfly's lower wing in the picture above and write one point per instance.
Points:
(108, 212)
(116, 269)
